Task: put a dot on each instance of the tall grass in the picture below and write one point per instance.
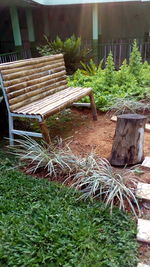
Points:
(122, 106)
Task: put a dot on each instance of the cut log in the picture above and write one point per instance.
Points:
(128, 143)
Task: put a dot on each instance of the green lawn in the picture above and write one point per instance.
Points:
(43, 224)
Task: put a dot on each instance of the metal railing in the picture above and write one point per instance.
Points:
(121, 50)
(13, 56)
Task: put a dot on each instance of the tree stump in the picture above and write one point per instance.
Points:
(128, 142)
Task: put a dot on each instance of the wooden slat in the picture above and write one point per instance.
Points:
(21, 74)
(69, 95)
(30, 67)
(31, 100)
(29, 62)
(55, 84)
(36, 72)
(48, 80)
(50, 102)
(40, 91)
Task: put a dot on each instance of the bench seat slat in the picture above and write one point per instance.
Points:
(54, 103)
(29, 101)
(49, 100)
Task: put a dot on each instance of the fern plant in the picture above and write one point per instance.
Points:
(71, 48)
(91, 68)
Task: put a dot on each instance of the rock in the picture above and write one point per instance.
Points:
(146, 162)
(143, 191)
(143, 231)
(142, 265)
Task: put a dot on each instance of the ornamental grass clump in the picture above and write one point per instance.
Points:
(123, 105)
(103, 182)
(54, 159)
(92, 175)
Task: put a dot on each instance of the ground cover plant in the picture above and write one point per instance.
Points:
(130, 82)
(42, 224)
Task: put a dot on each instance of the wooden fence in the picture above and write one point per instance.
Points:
(122, 50)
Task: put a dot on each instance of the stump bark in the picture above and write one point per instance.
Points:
(128, 142)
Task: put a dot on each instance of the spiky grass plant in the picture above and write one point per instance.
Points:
(54, 159)
(92, 175)
(98, 179)
(122, 105)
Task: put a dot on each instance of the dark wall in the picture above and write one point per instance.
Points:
(6, 34)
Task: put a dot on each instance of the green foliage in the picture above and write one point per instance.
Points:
(98, 179)
(91, 68)
(135, 62)
(42, 224)
(130, 82)
(109, 70)
(71, 48)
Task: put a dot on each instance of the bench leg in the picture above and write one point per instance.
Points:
(11, 126)
(93, 107)
(45, 132)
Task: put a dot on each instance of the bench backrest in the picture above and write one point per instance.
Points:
(26, 81)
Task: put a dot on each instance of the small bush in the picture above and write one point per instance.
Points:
(135, 62)
(71, 48)
(130, 82)
(109, 71)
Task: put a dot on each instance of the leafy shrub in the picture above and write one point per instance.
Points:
(135, 62)
(109, 71)
(71, 48)
(91, 68)
(130, 82)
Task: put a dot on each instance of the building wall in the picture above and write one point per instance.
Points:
(116, 21)
(63, 21)
(6, 34)
(124, 20)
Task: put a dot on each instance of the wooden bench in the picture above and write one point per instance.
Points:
(37, 88)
